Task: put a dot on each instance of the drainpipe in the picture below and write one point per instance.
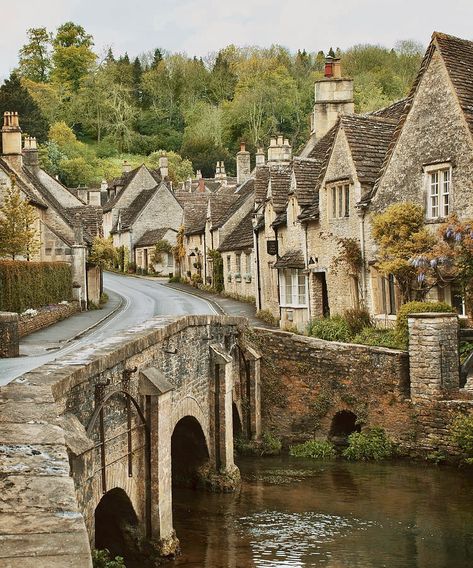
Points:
(308, 273)
(279, 291)
(205, 257)
(258, 273)
(361, 208)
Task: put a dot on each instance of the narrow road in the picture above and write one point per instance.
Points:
(142, 300)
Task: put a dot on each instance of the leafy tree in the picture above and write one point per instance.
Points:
(47, 97)
(180, 169)
(103, 252)
(15, 97)
(179, 249)
(401, 237)
(35, 60)
(72, 56)
(18, 236)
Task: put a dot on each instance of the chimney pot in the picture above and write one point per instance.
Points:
(280, 140)
(126, 167)
(242, 146)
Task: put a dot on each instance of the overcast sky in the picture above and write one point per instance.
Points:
(200, 26)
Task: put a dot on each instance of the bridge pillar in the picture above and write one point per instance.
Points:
(158, 396)
(253, 361)
(221, 420)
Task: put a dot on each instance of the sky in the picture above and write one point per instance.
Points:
(198, 27)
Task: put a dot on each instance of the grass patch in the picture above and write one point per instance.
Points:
(314, 449)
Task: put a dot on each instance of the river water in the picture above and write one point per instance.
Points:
(295, 513)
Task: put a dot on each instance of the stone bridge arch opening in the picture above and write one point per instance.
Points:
(189, 452)
(117, 527)
(237, 424)
(343, 424)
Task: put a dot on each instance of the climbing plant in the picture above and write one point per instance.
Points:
(179, 249)
(217, 269)
(161, 247)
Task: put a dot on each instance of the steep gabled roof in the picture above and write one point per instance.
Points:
(244, 192)
(306, 171)
(195, 210)
(457, 55)
(91, 218)
(291, 259)
(219, 204)
(280, 185)
(261, 183)
(129, 214)
(368, 138)
(32, 198)
(122, 182)
(394, 111)
(241, 237)
(150, 238)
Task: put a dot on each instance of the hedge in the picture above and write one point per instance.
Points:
(26, 284)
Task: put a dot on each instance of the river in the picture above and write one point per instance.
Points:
(295, 513)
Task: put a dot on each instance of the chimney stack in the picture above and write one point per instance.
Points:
(126, 167)
(163, 166)
(260, 157)
(30, 153)
(198, 174)
(201, 186)
(217, 171)
(243, 164)
(333, 97)
(11, 139)
(279, 150)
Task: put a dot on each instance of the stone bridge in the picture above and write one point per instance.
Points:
(95, 442)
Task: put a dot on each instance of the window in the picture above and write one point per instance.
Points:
(293, 288)
(170, 259)
(238, 263)
(340, 196)
(248, 263)
(438, 193)
(229, 263)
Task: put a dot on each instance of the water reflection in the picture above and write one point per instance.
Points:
(292, 513)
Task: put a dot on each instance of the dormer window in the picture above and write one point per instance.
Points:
(439, 191)
(339, 201)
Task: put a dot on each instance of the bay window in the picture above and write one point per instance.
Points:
(293, 288)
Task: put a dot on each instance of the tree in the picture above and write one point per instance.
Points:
(103, 252)
(35, 60)
(72, 55)
(402, 237)
(18, 236)
(15, 97)
(179, 249)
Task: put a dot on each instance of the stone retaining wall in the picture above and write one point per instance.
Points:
(9, 339)
(47, 315)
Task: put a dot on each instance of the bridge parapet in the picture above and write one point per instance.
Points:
(106, 416)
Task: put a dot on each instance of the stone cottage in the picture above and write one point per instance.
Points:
(65, 225)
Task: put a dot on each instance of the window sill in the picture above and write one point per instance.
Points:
(435, 220)
(293, 307)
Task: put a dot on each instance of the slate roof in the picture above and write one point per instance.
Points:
(394, 111)
(280, 220)
(261, 183)
(241, 237)
(150, 238)
(280, 183)
(91, 218)
(291, 259)
(195, 210)
(306, 171)
(32, 198)
(369, 138)
(244, 192)
(121, 182)
(219, 206)
(129, 214)
(458, 57)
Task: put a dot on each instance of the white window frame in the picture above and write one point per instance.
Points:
(297, 283)
(338, 197)
(248, 263)
(438, 183)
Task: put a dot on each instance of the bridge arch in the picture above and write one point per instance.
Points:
(344, 423)
(189, 452)
(117, 527)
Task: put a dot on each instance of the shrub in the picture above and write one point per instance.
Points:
(314, 449)
(416, 308)
(267, 317)
(101, 559)
(379, 338)
(176, 279)
(26, 284)
(370, 445)
(461, 433)
(334, 328)
(357, 319)
(270, 445)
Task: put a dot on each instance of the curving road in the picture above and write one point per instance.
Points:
(141, 300)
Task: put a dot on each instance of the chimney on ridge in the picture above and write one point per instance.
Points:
(260, 157)
(163, 166)
(11, 139)
(126, 167)
(30, 153)
(243, 164)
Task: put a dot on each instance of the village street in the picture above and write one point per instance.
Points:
(135, 300)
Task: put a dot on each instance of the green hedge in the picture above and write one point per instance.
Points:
(26, 285)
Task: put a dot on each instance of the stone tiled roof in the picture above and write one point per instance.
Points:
(458, 57)
(306, 171)
(219, 204)
(280, 220)
(394, 111)
(123, 183)
(261, 183)
(280, 183)
(129, 214)
(244, 192)
(369, 138)
(150, 238)
(195, 210)
(32, 198)
(291, 259)
(91, 218)
(241, 237)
